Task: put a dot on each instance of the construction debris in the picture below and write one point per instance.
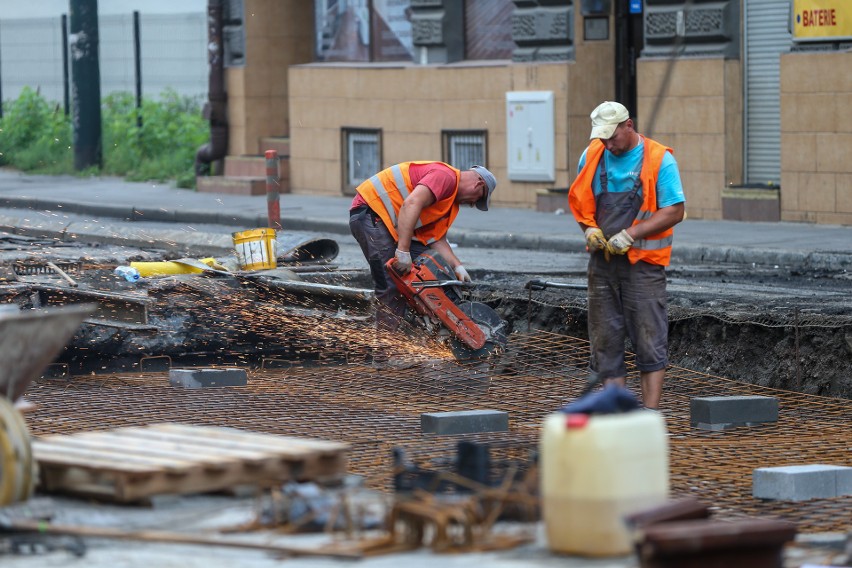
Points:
(681, 535)
(172, 537)
(370, 409)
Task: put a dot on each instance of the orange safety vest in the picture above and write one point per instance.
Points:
(653, 249)
(385, 192)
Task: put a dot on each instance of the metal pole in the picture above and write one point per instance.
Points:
(273, 205)
(86, 75)
(66, 79)
(137, 60)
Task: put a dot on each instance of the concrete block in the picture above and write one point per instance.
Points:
(206, 378)
(800, 482)
(844, 484)
(464, 422)
(722, 412)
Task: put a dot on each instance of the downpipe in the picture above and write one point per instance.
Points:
(216, 108)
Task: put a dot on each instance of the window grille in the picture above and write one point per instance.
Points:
(465, 148)
(362, 156)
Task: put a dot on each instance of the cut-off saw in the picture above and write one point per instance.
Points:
(472, 329)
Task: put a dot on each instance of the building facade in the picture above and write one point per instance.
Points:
(750, 101)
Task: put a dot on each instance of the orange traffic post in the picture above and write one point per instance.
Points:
(273, 206)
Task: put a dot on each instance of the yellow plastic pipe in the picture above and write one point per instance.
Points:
(147, 269)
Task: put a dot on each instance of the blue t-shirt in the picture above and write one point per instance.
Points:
(623, 171)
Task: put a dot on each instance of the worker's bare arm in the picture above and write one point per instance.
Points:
(443, 248)
(662, 219)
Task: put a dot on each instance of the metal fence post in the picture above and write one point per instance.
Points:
(86, 74)
(137, 60)
(273, 206)
(66, 76)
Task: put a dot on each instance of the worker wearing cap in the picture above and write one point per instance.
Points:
(405, 209)
(627, 197)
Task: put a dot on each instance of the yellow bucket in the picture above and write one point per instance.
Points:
(256, 249)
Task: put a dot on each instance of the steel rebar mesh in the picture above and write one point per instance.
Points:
(377, 409)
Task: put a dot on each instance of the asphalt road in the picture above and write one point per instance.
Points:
(118, 241)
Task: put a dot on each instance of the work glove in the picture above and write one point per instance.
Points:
(462, 274)
(595, 239)
(619, 243)
(403, 261)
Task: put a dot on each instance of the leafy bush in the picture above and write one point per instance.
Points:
(163, 147)
(37, 138)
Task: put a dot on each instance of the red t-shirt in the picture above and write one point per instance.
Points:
(440, 180)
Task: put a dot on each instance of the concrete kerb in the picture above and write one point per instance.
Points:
(172, 241)
(93, 209)
(338, 227)
(691, 253)
(492, 239)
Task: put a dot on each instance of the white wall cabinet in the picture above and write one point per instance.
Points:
(530, 136)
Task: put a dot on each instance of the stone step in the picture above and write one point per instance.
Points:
(281, 144)
(231, 185)
(254, 166)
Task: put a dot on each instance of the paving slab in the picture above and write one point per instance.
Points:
(464, 422)
(723, 412)
(207, 378)
(800, 482)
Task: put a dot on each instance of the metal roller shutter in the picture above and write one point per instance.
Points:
(767, 36)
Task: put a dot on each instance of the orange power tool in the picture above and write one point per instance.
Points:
(432, 291)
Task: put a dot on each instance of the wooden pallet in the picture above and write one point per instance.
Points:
(136, 463)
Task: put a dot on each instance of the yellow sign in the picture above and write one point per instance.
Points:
(822, 19)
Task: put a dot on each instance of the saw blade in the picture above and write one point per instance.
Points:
(491, 324)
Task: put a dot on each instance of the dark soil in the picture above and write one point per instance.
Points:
(772, 328)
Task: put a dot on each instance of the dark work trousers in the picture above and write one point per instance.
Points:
(626, 300)
(379, 246)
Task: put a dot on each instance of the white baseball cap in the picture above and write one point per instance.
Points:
(606, 117)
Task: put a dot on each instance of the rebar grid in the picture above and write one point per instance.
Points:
(377, 409)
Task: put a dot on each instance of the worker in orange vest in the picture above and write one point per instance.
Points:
(405, 209)
(627, 197)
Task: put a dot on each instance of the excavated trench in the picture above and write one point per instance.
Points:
(802, 346)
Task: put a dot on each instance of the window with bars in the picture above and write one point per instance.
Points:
(362, 156)
(465, 148)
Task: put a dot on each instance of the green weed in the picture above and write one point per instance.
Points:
(37, 137)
